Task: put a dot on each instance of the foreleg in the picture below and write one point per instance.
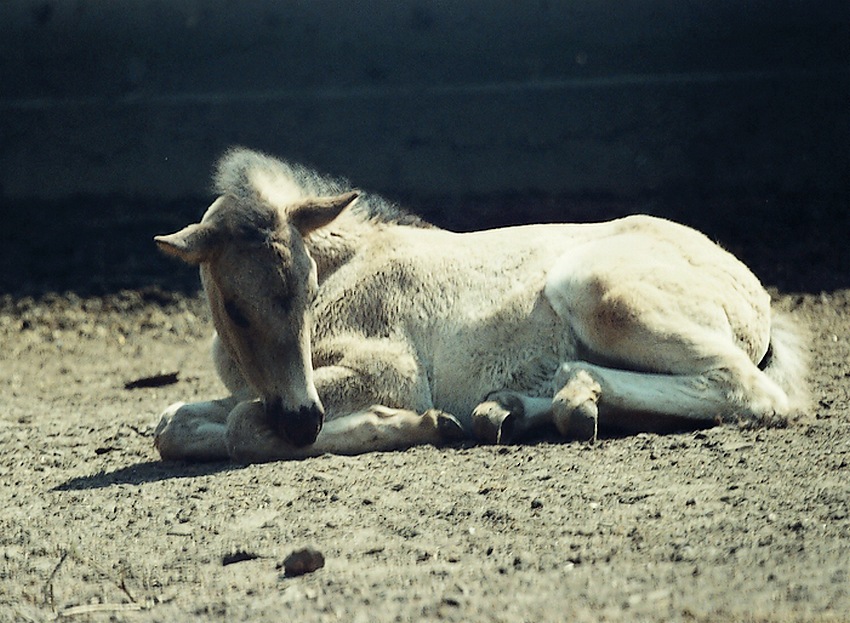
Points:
(352, 373)
(376, 397)
(249, 439)
(194, 431)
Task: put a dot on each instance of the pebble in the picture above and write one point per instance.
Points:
(301, 561)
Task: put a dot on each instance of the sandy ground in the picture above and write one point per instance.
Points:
(718, 525)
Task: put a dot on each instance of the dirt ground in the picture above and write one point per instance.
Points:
(718, 525)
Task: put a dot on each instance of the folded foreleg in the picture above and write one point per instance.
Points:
(194, 431)
(375, 395)
(249, 439)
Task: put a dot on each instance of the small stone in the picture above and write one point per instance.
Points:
(301, 561)
(536, 503)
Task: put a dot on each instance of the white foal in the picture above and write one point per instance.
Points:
(347, 325)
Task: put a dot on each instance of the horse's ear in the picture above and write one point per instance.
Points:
(319, 211)
(193, 244)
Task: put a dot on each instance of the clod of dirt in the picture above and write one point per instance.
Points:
(237, 556)
(157, 380)
(301, 561)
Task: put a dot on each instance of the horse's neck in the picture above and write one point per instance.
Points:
(332, 246)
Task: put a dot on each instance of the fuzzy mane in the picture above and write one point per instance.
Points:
(239, 169)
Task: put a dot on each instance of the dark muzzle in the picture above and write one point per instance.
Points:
(300, 428)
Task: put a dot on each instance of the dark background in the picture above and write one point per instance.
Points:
(733, 117)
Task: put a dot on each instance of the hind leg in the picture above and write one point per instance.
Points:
(505, 416)
(593, 397)
(634, 401)
(669, 333)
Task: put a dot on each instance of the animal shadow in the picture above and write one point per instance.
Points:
(147, 472)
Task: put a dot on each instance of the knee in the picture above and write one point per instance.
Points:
(247, 437)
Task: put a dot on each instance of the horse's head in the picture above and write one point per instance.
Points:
(260, 281)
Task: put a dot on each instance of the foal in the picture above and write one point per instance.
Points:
(347, 325)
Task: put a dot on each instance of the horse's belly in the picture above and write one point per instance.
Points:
(520, 354)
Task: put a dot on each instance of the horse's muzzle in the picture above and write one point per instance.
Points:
(300, 427)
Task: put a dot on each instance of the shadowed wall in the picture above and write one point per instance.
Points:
(417, 96)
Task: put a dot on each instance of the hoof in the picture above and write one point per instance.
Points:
(580, 422)
(448, 426)
(584, 422)
(496, 420)
(575, 408)
(162, 431)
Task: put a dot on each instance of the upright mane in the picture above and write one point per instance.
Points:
(239, 169)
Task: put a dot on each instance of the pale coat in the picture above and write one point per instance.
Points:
(395, 332)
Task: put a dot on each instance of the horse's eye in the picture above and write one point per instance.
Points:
(236, 315)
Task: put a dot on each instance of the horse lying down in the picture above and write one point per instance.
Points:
(346, 325)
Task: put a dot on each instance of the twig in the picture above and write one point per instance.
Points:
(48, 587)
(117, 583)
(120, 584)
(88, 608)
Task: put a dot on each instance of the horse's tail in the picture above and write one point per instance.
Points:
(787, 362)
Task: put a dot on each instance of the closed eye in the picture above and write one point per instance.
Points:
(235, 314)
